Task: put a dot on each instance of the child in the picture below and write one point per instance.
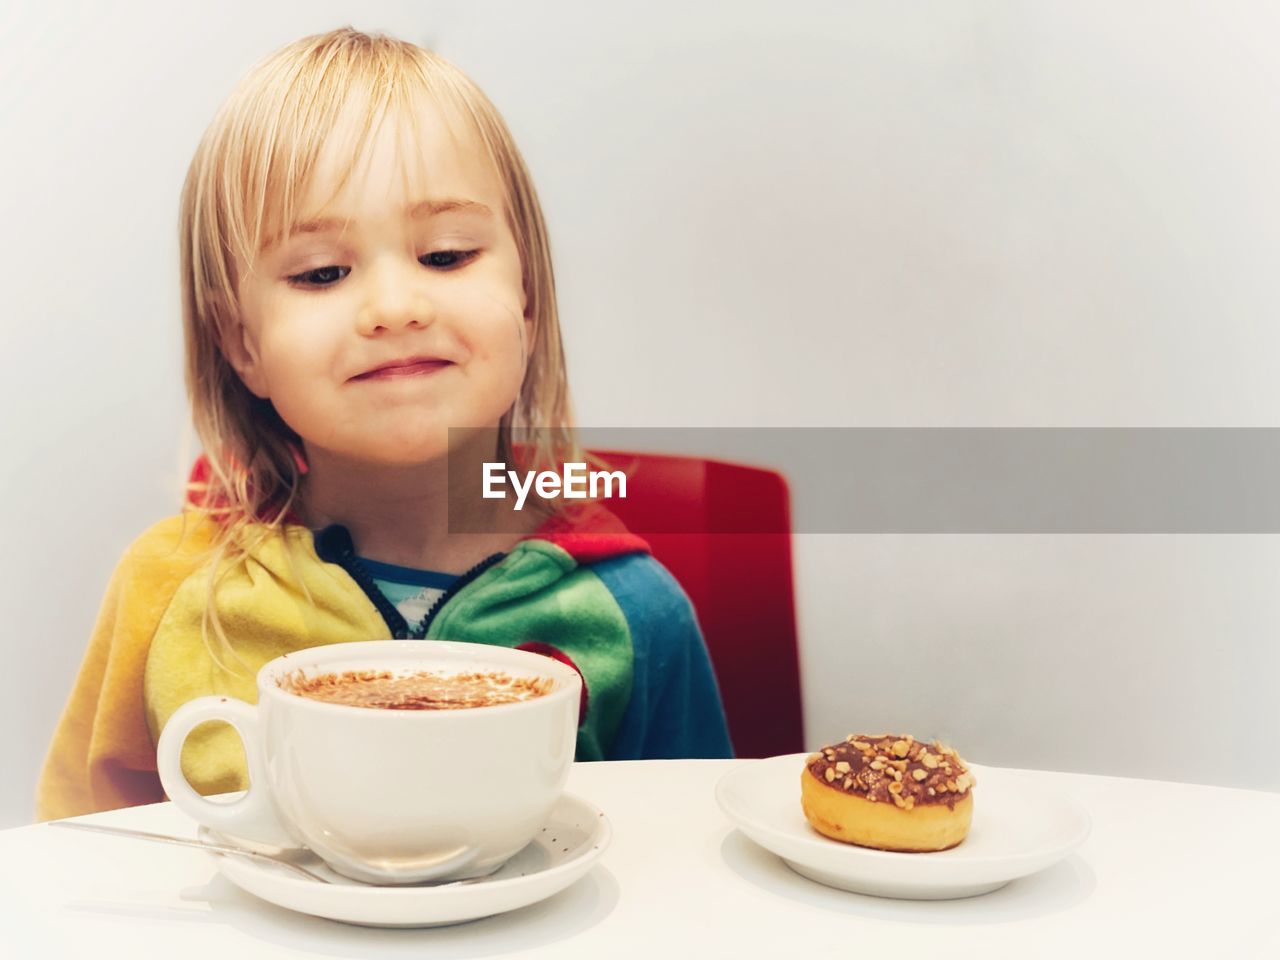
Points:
(344, 309)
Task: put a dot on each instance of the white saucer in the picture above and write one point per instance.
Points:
(573, 839)
(1018, 829)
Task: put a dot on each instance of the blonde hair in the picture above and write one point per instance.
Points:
(245, 182)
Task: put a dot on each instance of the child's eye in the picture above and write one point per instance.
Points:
(328, 276)
(447, 259)
(320, 277)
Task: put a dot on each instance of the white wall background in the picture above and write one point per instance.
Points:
(856, 213)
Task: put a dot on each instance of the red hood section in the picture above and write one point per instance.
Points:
(590, 532)
(200, 473)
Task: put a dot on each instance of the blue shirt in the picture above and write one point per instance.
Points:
(412, 591)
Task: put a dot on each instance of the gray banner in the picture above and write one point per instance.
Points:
(945, 480)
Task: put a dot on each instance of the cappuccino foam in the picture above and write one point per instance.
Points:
(422, 690)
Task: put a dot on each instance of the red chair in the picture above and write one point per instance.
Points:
(740, 583)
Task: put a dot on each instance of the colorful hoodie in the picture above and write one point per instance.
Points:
(583, 591)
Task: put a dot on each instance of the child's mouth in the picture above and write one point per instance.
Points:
(411, 368)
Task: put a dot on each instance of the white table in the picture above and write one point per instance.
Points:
(1170, 871)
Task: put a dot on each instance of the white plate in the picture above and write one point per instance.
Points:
(573, 839)
(1018, 829)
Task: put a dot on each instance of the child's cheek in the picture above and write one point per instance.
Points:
(300, 348)
(488, 319)
(506, 350)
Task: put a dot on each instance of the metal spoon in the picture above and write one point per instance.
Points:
(184, 842)
(223, 848)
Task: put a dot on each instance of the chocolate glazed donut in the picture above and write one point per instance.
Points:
(888, 792)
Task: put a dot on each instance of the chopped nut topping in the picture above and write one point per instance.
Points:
(893, 767)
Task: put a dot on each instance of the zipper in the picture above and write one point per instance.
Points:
(334, 545)
(425, 624)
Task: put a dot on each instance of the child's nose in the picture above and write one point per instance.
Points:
(394, 303)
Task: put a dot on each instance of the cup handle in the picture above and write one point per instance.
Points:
(253, 816)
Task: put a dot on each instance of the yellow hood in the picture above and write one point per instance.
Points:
(147, 656)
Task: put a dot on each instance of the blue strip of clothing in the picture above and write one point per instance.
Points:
(408, 575)
(675, 709)
(412, 591)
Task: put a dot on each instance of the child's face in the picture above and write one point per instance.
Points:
(437, 291)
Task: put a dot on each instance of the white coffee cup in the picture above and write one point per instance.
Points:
(390, 796)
